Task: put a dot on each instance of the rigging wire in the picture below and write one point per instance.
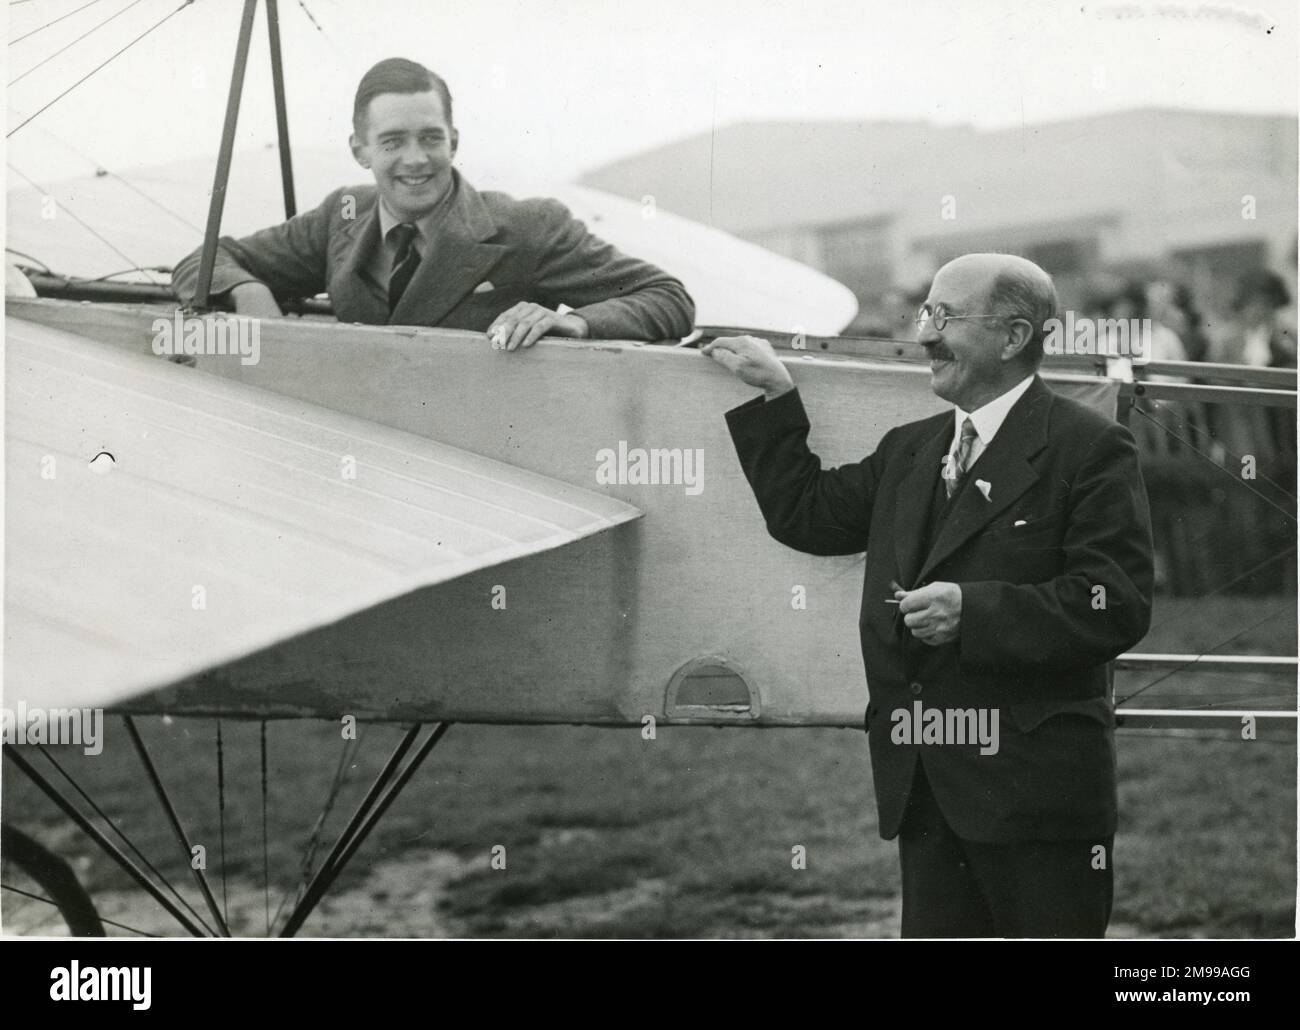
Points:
(1229, 583)
(1237, 702)
(329, 40)
(126, 271)
(1227, 472)
(266, 860)
(1236, 678)
(144, 860)
(17, 921)
(114, 275)
(110, 922)
(221, 819)
(1247, 696)
(347, 755)
(30, 257)
(42, 28)
(1227, 453)
(1227, 737)
(311, 18)
(98, 67)
(100, 168)
(1179, 668)
(81, 222)
(56, 53)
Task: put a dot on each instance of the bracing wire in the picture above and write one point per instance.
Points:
(99, 67)
(53, 21)
(311, 18)
(1192, 661)
(347, 754)
(266, 858)
(1233, 582)
(221, 821)
(1227, 472)
(89, 158)
(47, 901)
(30, 257)
(81, 222)
(67, 46)
(144, 860)
(1236, 457)
(1201, 736)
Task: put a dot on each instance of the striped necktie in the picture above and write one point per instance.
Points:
(405, 260)
(961, 459)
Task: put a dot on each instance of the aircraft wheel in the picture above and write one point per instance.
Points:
(41, 894)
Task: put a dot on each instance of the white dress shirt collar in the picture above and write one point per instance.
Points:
(988, 419)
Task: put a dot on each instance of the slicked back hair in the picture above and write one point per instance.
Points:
(1020, 294)
(396, 75)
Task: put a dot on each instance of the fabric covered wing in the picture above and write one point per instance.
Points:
(161, 521)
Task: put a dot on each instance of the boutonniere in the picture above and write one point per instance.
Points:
(985, 487)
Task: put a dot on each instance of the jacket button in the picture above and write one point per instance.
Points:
(916, 688)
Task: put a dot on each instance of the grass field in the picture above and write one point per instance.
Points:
(605, 834)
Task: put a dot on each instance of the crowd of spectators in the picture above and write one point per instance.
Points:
(1215, 529)
(1259, 328)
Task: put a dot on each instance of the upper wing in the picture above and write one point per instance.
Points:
(161, 521)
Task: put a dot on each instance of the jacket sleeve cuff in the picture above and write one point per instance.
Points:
(227, 283)
(762, 415)
(619, 319)
(602, 324)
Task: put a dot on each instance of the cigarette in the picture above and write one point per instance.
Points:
(890, 600)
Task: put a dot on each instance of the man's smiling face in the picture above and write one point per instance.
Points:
(409, 145)
(966, 367)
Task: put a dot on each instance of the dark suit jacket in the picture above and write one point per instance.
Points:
(1033, 644)
(530, 250)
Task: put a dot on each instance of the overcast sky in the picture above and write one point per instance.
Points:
(551, 87)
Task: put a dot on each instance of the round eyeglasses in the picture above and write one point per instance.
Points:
(941, 317)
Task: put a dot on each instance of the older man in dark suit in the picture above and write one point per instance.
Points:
(423, 247)
(1008, 560)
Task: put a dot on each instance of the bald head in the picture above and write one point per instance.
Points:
(1016, 288)
(996, 310)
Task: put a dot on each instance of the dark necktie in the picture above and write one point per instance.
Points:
(962, 458)
(405, 261)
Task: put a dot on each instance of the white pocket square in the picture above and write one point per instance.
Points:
(1018, 522)
(985, 487)
(484, 287)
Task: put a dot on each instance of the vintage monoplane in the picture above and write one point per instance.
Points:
(395, 524)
